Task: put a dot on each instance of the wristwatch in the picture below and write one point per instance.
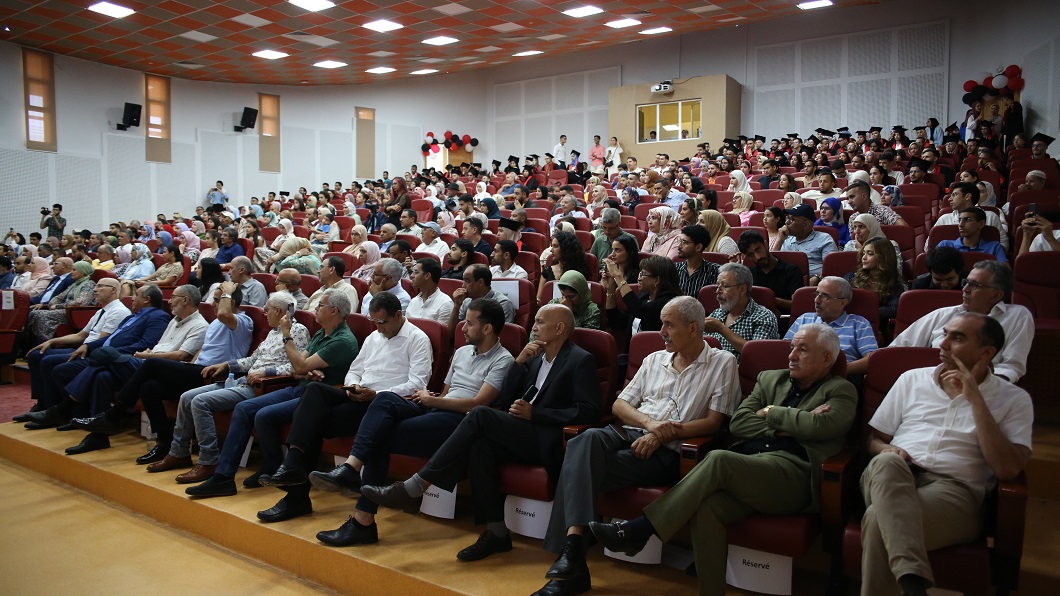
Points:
(287, 339)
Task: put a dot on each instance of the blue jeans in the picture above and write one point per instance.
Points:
(243, 419)
(195, 416)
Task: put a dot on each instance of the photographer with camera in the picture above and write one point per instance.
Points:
(52, 220)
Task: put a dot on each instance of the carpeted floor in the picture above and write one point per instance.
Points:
(14, 400)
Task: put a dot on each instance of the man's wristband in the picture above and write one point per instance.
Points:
(226, 296)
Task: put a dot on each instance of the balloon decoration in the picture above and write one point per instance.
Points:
(452, 140)
(474, 142)
(435, 148)
(425, 147)
(448, 135)
(1006, 82)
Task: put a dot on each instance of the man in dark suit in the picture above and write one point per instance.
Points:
(552, 384)
(61, 279)
(87, 375)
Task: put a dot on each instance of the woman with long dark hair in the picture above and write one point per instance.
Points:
(658, 285)
(399, 201)
(210, 277)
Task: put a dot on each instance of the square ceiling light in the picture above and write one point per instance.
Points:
(380, 70)
(583, 11)
(111, 10)
(382, 26)
(312, 5)
(330, 64)
(270, 54)
(622, 23)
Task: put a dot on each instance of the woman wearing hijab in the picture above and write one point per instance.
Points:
(40, 276)
(297, 253)
(738, 181)
(368, 253)
(720, 241)
(743, 205)
(166, 275)
(146, 233)
(266, 256)
(664, 233)
(358, 234)
(447, 221)
(489, 207)
(865, 227)
(832, 216)
(165, 240)
(45, 318)
(892, 196)
(189, 245)
(198, 227)
(480, 191)
(987, 198)
(141, 265)
(791, 199)
(575, 295)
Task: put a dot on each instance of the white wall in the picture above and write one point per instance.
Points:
(99, 173)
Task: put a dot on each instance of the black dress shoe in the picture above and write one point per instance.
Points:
(285, 510)
(91, 442)
(254, 480)
(284, 476)
(569, 564)
(98, 424)
(50, 418)
(157, 453)
(488, 544)
(614, 537)
(393, 496)
(343, 478)
(25, 417)
(216, 486)
(563, 587)
(350, 533)
(66, 427)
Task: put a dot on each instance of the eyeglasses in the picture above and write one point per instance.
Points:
(824, 297)
(726, 287)
(645, 274)
(379, 321)
(974, 285)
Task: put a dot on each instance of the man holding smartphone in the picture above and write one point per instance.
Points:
(1038, 232)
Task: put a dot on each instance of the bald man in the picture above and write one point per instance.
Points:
(290, 280)
(61, 269)
(552, 384)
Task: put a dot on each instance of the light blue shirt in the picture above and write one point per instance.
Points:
(217, 197)
(991, 247)
(816, 246)
(856, 337)
(397, 290)
(674, 198)
(222, 344)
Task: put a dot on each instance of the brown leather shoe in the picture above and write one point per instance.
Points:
(169, 463)
(196, 474)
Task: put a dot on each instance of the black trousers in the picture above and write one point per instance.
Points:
(323, 412)
(484, 439)
(156, 380)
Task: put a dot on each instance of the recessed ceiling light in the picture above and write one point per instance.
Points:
(380, 70)
(330, 64)
(452, 9)
(814, 4)
(622, 23)
(382, 54)
(270, 54)
(731, 19)
(198, 36)
(507, 27)
(528, 53)
(656, 31)
(312, 5)
(424, 71)
(583, 11)
(702, 9)
(250, 20)
(111, 10)
(382, 26)
(441, 40)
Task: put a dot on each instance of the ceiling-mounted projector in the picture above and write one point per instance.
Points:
(663, 87)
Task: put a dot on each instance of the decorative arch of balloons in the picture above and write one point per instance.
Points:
(451, 141)
(1006, 82)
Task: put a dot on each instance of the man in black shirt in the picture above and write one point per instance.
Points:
(460, 256)
(769, 271)
(945, 266)
(772, 173)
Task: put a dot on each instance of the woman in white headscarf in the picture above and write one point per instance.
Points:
(865, 227)
(664, 225)
(480, 192)
(266, 256)
(738, 181)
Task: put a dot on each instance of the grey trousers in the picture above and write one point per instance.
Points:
(908, 515)
(195, 417)
(600, 460)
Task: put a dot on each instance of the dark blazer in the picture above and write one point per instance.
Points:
(59, 284)
(140, 335)
(569, 395)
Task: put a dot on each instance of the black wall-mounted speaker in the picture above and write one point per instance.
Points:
(130, 116)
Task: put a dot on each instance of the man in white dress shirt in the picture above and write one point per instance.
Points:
(560, 152)
(504, 266)
(431, 242)
(387, 278)
(431, 303)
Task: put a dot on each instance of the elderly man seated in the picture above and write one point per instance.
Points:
(386, 278)
(988, 284)
(792, 421)
(688, 389)
(856, 337)
(738, 318)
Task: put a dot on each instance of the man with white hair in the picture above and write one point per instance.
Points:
(856, 337)
(793, 420)
(687, 389)
(387, 278)
(738, 318)
(568, 207)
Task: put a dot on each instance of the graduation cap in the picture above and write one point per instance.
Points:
(510, 158)
(550, 156)
(760, 138)
(575, 154)
(497, 163)
(861, 133)
(464, 164)
(952, 125)
(951, 139)
(918, 128)
(476, 165)
(728, 141)
(1043, 138)
(793, 135)
(899, 128)
(535, 156)
(812, 138)
(824, 132)
(510, 224)
(743, 138)
(875, 129)
(843, 129)
(845, 134)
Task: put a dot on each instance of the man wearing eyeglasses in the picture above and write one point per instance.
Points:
(397, 357)
(42, 359)
(988, 284)
(329, 353)
(386, 278)
(738, 318)
(856, 337)
(290, 280)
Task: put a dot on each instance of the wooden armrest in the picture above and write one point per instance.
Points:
(573, 430)
(264, 385)
(693, 449)
(839, 480)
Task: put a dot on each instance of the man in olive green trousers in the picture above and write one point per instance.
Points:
(792, 421)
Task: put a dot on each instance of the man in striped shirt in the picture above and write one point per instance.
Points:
(693, 273)
(686, 390)
(856, 336)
